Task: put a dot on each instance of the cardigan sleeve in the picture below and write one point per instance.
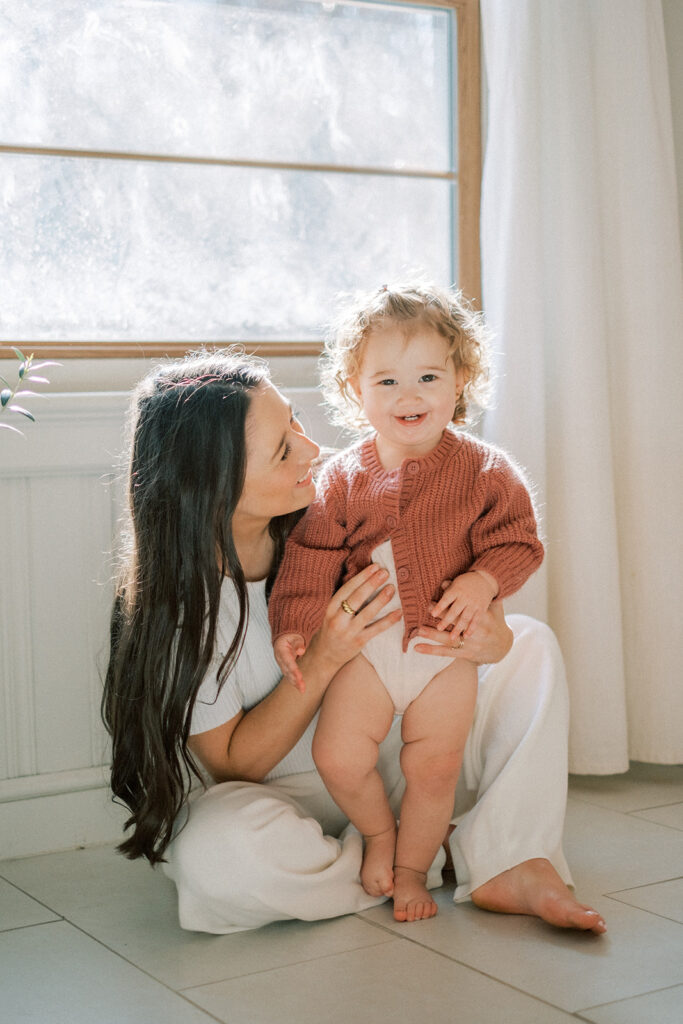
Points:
(312, 566)
(504, 538)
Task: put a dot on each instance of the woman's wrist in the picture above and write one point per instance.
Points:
(318, 664)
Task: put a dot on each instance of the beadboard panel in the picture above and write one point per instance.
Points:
(57, 518)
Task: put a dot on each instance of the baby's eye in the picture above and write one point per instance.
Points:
(287, 452)
(387, 381)
(428, 377)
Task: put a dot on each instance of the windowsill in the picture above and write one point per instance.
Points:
(74, 375)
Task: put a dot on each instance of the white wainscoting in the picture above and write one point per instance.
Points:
(59, 501)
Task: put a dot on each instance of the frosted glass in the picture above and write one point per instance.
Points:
(285, 80)
(118, 250)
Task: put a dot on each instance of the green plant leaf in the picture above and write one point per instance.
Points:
(19, 354)
(24, 412)
(5, 396)
(6, 382)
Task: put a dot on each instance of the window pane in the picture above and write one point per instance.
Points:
(122, 250)
(284, 80)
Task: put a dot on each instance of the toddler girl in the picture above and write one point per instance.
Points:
(428, 503)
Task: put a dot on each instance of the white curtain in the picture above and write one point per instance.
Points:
(582, 285)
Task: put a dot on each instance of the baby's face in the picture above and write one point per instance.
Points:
(408, 387)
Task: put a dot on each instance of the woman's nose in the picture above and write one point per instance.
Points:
(312, 449)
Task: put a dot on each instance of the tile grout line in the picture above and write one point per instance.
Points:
(477, 970)
(35, 900)
(280, 967)
(656, 807)
(413, 942)
(23, 927)
(641, 995)
(620, 810)
(114, 952)
(645, 885)
(643, 910)
(137, 967)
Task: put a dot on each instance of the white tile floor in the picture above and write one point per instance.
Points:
(89, 938)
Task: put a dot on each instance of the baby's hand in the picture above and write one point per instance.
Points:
(464, 601)
(287, 648)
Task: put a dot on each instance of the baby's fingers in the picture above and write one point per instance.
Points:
(467, 628)
(451, 615)
(292, 673)
(286, 652)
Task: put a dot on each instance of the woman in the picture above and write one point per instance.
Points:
(219, 469)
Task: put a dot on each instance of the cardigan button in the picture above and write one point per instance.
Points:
(392, 522)
(403, 573)
(413, 467)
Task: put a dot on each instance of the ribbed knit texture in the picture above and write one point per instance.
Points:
(463, 506)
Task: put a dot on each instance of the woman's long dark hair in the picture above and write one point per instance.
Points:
(185, 477)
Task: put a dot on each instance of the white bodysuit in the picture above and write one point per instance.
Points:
(404, 674)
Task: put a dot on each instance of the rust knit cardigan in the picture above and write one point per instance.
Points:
(463, 506)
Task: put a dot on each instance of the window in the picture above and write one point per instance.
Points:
(184, 171)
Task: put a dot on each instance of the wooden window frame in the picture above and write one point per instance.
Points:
(468, 177)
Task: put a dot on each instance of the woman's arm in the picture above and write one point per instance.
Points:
(490, 642)
(251, 744)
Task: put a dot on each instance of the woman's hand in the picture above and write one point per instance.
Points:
(490, 642)
(350, 622)
(253, 742)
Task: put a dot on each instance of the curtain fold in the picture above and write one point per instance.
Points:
(582, 285)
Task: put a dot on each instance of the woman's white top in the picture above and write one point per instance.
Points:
(250, 680)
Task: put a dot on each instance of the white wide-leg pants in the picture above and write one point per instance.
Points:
(253, 853)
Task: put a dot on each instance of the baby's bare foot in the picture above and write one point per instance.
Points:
(377, 873)
(412, 901)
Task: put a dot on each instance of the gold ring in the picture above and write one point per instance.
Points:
(461, 644)
(346, 607)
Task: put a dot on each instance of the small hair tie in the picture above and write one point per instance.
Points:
(384, 288)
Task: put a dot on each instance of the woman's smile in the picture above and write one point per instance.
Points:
(307, 479)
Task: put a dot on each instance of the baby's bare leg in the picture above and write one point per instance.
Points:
(435, 728)
(355, 717)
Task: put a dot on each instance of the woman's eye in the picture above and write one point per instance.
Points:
(287, 452)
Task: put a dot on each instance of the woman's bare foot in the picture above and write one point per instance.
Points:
(534, 887)
(377, 872)
(412, 901)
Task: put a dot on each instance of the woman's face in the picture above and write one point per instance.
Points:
(278, 478)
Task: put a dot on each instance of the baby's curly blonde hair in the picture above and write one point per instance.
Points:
(446, 310)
